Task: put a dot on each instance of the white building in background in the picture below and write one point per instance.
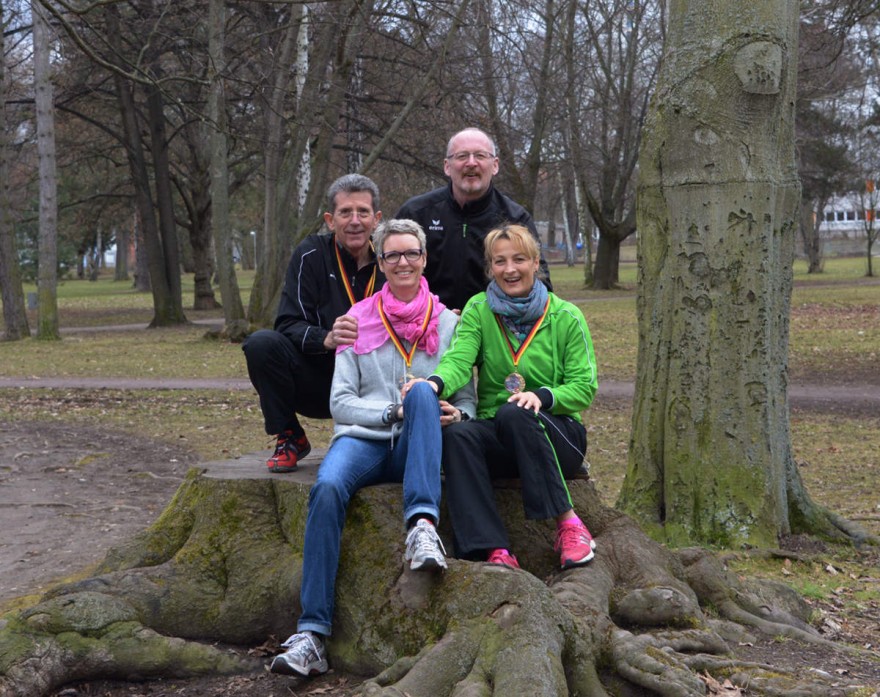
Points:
(842, 231)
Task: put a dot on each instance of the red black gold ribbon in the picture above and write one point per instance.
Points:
(368, 291)
(516, 354)
(407, 355)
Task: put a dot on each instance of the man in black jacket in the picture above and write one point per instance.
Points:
(291, 366)
(457, 217)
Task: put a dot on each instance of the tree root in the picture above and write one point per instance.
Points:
(222, 564)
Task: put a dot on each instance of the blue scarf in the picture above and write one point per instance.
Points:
(518, 314)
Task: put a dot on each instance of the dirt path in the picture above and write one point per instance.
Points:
(862, 398)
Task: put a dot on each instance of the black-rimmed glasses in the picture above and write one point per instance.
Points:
(411, 255)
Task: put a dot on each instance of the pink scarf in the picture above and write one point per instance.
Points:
(405, 318)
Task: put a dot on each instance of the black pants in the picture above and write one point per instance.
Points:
(288, 381)
(542, 450)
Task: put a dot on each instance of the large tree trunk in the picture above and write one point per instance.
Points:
(223, 564)
(233, 310)
(47, 278)
(710, 457)
(11, 292)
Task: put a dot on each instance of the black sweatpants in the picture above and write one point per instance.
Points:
(288, 381)
(541, 450)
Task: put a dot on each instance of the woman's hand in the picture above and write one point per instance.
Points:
(526, 400)
(408, 386)
(449, 414)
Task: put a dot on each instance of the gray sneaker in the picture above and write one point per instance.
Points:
(424, 549)
(305, 656)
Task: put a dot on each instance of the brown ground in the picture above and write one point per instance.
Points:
(71, 493)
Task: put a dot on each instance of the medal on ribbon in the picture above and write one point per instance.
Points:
(515, 382)
(398, 342)
(349, 291)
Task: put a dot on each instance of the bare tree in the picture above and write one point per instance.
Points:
(14, 315)
(869, 204)
(47, 295)
(612, 62)
(826, 74)
(233, 309)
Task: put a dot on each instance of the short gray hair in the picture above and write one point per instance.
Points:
(352, 184)
(397, 226)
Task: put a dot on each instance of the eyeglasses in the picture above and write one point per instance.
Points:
(394, 257)
(465, 155)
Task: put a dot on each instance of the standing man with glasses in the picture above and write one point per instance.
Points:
(457, 217)
(291, 366)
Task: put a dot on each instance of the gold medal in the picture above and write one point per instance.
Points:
(405, 379)
(514, 383)
(407, 354)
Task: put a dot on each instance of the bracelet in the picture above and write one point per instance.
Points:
(389, 416)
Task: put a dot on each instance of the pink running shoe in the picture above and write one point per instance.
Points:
(503, 558)
(575, 545)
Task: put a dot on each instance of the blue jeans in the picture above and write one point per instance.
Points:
(351, 464)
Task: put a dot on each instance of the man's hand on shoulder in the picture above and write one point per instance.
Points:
(344, 331)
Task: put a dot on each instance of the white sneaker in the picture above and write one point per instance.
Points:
(305, 656)
(424, 549)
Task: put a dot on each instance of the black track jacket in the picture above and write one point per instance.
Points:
(456, 265)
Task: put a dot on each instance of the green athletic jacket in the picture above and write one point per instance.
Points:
(559, 365)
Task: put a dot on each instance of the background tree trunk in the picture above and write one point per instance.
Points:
(173, 309)
(710, 456)
(14, 315)
(47, 278)
(809, 228)
(233, 310)
(123, 238)
(141, 262)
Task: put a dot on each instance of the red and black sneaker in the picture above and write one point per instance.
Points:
(288, 452)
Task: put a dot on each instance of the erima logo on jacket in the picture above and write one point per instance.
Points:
(435, 225)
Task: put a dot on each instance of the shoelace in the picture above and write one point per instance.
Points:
(301, 649)
(286, 443)
(425, 542)
(281, 446)
(571, 535)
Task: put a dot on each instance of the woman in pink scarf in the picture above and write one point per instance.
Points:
(402, 330)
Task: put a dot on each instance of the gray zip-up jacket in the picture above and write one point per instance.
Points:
(364, 385)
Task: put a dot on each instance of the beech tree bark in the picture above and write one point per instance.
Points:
(710, 458)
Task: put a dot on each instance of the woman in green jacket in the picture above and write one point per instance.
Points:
(537, 372)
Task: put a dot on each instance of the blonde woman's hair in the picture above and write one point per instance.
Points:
(519, 235)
